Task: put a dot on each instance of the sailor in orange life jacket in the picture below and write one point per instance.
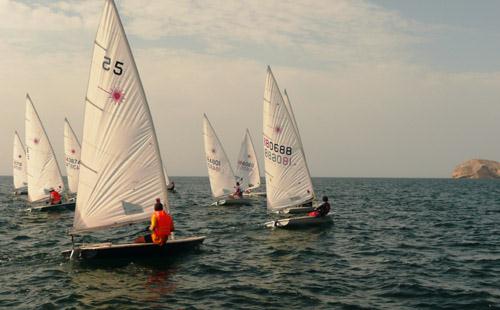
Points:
(55, 197)
(162, 225)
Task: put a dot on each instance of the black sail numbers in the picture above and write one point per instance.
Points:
(117, 69)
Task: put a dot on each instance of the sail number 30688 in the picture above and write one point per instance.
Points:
(106, 65)
(277, 153)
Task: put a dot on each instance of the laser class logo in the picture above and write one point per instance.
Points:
(117, 95)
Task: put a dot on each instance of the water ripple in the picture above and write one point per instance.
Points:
(395, 244)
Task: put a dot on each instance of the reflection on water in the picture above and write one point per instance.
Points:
(159, 282)
(103, 283)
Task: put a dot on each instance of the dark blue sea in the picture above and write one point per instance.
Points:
(394, 244)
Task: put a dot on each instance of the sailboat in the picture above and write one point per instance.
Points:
(72, 150)
(170, 184)
(288, 181)
(19, 167)
(43, 171)
(220, 172)
(247, 168)
(121, 170)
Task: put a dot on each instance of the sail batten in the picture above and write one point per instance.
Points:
(220, 172)
(288, 182)
(42, 169)
(19, 172)
(121, 170)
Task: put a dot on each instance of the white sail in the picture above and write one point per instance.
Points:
(288, 182)
(43, 170)
(19, 163)
(294, 121)
(288, 105)
(220, 172)
(121, 171)
(167, 180)
(247, 167)
(72, 150)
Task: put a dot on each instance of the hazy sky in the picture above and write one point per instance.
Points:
(379, 88)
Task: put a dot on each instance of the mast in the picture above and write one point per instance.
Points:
(288, 105)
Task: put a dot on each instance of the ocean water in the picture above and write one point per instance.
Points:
(394, 244)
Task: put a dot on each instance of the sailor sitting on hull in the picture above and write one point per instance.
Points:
(162, 225)
(321, 210)
(55, 197)
(238, 193)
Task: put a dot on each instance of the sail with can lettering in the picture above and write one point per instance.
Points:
(19, 172)
(72, 150)
(247, 167)
(288, 182)
(121, 170)
(43, 171)
(220, 172)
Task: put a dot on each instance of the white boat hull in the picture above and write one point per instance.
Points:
(255, 194)
(301, 221)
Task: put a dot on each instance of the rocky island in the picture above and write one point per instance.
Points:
(477, 169)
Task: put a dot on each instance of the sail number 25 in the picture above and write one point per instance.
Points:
(106, 65)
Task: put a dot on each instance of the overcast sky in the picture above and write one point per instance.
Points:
(379, 88)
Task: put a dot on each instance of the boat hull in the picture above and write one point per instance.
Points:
(233, 202)
(255, 194)
(55, 208)
(301, 221)
(132, 250)
(297, 210)
(22, 192)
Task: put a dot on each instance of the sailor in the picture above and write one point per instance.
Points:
(162, 225)
(322, 210)
(237, 193)
(55, 197)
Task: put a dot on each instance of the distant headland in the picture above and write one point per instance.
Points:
(477, 169)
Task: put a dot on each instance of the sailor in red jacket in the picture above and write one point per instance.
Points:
(162, 225)
(55, 197)
(321, 210)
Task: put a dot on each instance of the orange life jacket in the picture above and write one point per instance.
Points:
(55, 198)
(164, 226)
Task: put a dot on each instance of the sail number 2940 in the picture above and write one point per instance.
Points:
(117, 69)
(277, 153)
